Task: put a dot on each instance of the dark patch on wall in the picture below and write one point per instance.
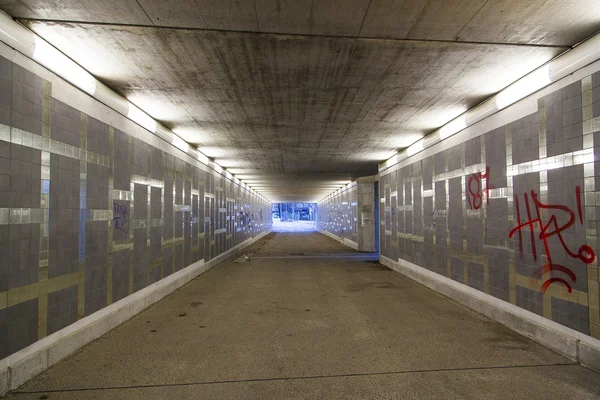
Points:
(98, 136)
(97, 187)
(26, 102)
(530, 300)
(498, 264)
(96, 259)
(5, 263)
(63, 256)
(122, 161)
(22, 255)
(475, 275)
(168, 208)
(25, 176)
(120, 274)
(141, 152)
(168, 261)
(140, 203)
(140, 253)
(21, 325)
(6, 77)
(62, 308)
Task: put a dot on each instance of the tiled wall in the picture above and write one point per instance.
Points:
(90, 214)
(349, 216)
(511, 212)
(338, 214)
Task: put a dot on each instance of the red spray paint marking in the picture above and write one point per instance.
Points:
(547, 230)
(479, 192)
(554, 267)
(552, 280)
(518, 222)
(578, 191)
(533, 249)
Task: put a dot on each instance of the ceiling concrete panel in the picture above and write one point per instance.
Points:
(173, 13)
(337, 17)
(551, 22)
(284, 16)
(294, 104)
(324, 104)
(558, 22)
(112, 11)
(392, 18)
(229, 14)
(444, 19)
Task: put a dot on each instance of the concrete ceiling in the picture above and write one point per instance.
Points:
(299, 97)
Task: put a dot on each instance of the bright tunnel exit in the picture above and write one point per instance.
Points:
(294, 217)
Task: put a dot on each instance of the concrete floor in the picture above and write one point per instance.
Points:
(326, 324)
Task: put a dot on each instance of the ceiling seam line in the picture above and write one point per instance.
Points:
(362, 24)
(418, 18)
(471, 19)
(256, 14)
(200, 12)
(144, 11)
(304, 35)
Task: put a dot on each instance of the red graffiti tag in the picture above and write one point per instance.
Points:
(547, 230)
(477, 191)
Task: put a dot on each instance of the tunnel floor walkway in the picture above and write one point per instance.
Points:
(307, 318)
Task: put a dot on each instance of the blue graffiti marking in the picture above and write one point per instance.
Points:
(121, 219)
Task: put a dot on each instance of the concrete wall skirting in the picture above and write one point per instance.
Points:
(344, 241)
(568, 342)
(25, 364)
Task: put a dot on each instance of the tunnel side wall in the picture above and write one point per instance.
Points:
(507, 211)
(349, 216)
(337, 216)
(98, 218)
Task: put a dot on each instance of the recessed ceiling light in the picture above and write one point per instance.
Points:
(415, 148)
(62, 65)
(141, 118)
(216, 152)
(180, 144)
(524, 87)
(452, 127)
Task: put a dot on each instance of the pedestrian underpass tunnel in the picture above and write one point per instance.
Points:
(276, 199)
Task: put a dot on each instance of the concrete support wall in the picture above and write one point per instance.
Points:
(509, 207)
(349, 216)
(94, 208)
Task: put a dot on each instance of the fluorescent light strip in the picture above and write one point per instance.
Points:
(202, 158)
(62, 65)
(141, 118)
(452, 127)
(23, 40)
(571, 61)
(415, 148)
(180, 144)
(522, 88)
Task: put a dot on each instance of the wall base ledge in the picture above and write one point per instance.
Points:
(344, 241)
(566, 341)
(25, 364)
